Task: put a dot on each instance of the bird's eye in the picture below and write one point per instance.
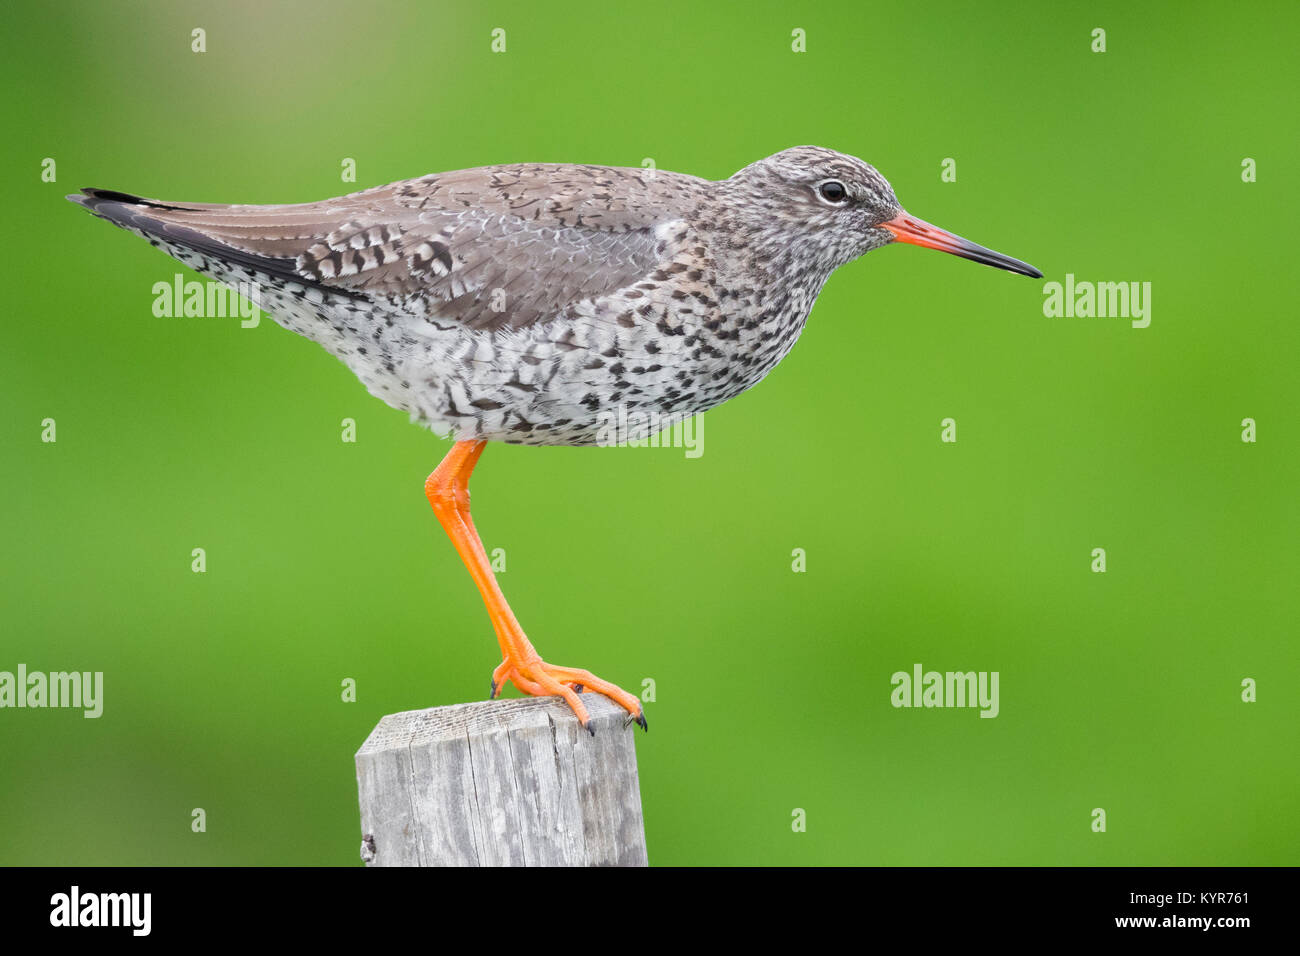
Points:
(833, 191)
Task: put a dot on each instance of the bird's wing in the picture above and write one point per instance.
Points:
(496, 247)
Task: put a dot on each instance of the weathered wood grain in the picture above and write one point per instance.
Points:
(501, 783)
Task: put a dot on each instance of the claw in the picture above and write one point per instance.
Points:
(577, 688)
(492, 693)
(588, 728)
(640, 719)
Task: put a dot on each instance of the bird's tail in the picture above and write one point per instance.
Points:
(215, 238)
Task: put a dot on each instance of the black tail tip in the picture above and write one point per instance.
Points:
(92, 198)
(109, 195)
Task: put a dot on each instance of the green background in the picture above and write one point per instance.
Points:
(1118, 690)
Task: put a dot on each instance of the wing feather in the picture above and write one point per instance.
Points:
(496, 247)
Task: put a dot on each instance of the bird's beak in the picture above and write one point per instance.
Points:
(920, 233)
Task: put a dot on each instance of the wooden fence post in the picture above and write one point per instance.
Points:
(501, 783)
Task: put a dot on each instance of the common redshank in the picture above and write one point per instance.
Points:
(525, 303)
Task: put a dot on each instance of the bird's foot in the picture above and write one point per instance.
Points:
(540, 679)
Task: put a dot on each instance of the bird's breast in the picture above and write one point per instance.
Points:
(685, 337)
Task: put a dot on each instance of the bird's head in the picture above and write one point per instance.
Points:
(834, 208)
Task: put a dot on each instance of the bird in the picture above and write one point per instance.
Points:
(524, 303)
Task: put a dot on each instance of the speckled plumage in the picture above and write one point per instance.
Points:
(523, 303)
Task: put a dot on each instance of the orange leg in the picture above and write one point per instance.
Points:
(448, 491)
